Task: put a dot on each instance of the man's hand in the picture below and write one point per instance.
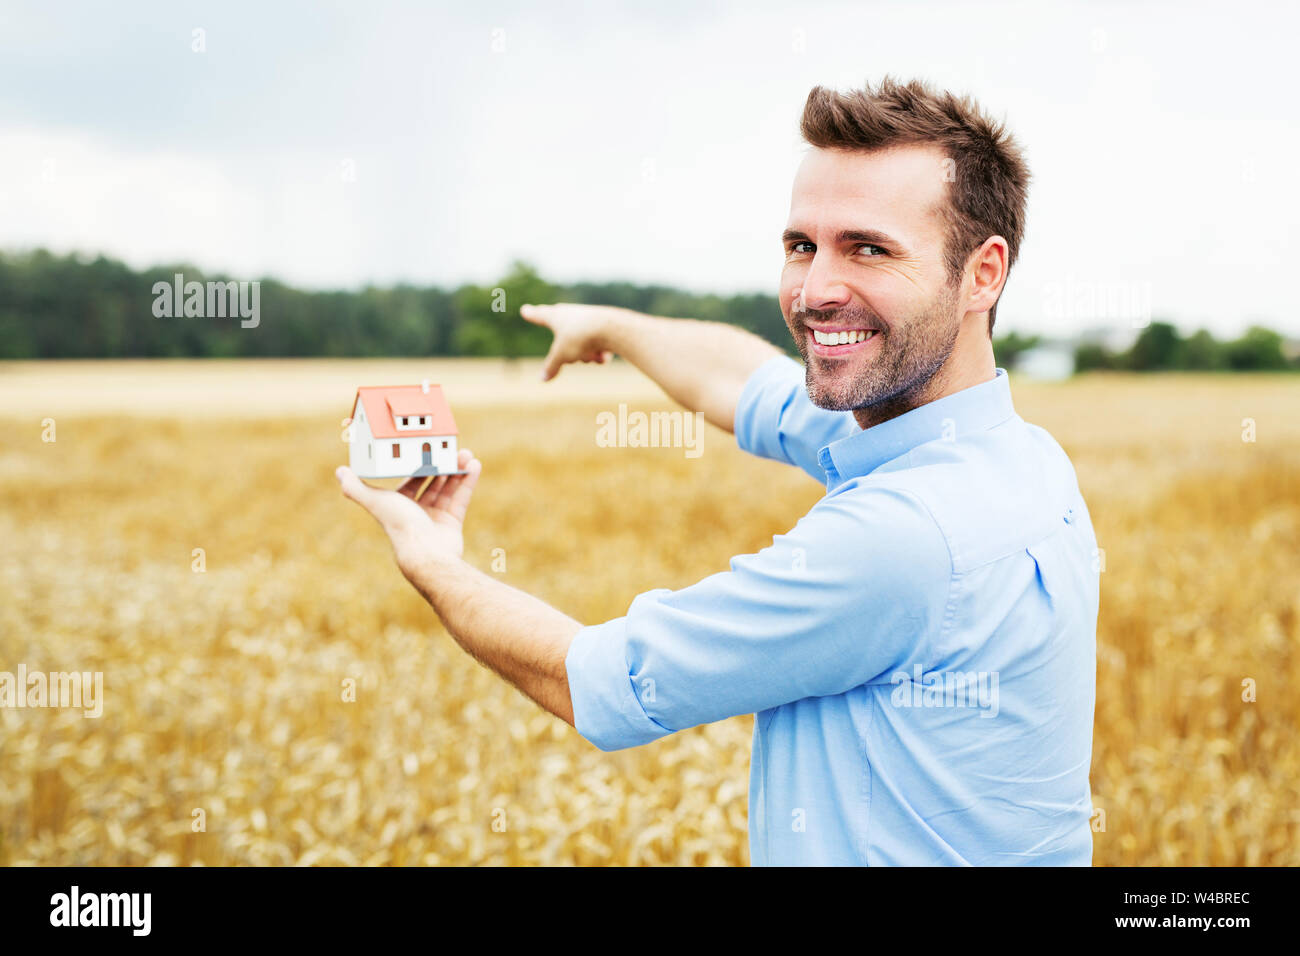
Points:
(580, 333)
(701, 365)
(422, 529)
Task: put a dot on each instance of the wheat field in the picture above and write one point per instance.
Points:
(183, 534)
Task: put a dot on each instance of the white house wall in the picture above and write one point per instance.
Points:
(410, 456)
(445, 458)
(361, 442)
(412, 453)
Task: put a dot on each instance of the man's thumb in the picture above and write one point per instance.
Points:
(551, 367)
(353, 487)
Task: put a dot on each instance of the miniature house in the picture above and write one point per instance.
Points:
(402, 431)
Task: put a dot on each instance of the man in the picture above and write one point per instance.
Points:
(919, 650)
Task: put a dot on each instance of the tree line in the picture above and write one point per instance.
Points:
(73, 306)
(1160, 347)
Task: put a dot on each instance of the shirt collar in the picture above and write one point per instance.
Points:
(971, 410)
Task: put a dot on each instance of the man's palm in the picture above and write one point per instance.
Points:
(420, 525)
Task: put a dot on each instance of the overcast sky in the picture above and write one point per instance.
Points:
(333, 145)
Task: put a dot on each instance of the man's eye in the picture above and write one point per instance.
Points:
(878, 250)
(801, 247)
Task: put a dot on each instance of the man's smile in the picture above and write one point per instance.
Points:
(834, 343)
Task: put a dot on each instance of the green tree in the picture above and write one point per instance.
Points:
(489, 319)
(1259, 349)
(1008, 348)
(1158, 347)
(1202, 352)
(1091, 356)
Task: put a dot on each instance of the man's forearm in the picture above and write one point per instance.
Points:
(522, 638)
(701, 365)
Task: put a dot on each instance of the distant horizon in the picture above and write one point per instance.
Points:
(1115, 335)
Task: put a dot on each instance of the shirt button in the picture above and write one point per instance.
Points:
(1069, 516)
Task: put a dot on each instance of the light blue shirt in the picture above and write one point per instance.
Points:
(919, 651)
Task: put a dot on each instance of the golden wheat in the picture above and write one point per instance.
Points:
(225, 689)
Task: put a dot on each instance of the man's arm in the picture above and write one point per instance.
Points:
(848, 596)
(701, 365)
(523, 639)
(855, 593)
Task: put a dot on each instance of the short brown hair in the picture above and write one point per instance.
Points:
(990, 179)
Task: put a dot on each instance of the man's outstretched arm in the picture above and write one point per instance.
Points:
(701, 365)
(523, 639)
(509, 631)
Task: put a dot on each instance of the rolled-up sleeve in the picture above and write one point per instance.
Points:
(775, 418)
(850, 595)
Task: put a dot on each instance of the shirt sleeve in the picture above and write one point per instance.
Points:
(776, 419)
(849, 596)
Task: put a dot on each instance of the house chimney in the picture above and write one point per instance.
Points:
(424, 386)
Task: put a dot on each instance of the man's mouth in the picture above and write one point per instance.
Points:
(841, 341)
(847, 337)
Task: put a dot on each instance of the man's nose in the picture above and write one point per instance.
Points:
(823, 287)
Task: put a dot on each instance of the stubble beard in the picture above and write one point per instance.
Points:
(906, 360)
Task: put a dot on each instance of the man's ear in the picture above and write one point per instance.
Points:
(986, 273)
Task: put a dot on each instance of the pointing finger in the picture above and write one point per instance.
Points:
(537, 314)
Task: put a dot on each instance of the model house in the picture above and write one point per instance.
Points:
(402, 431)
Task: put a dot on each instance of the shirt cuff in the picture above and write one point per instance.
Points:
(606, 709)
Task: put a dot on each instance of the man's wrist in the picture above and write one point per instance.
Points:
(615, 328)
(433, 572)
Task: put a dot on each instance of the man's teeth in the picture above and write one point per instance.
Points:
(842, 338)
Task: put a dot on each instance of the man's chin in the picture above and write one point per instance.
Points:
(832, 393)
(833, 384)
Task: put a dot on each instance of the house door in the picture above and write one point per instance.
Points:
(427, 451)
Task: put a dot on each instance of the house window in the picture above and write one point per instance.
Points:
(397, 450)
(411, 422)
(444, 444)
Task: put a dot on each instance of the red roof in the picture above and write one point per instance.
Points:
(382, 403)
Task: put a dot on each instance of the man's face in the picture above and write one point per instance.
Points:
(864, 256)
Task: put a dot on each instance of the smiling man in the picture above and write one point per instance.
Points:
(919, 649)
